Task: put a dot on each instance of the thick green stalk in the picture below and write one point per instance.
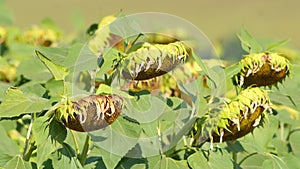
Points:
(85, 149)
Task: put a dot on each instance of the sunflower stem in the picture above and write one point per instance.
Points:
(75, 142)
(234, 156)
(83, 155)
(29, 147)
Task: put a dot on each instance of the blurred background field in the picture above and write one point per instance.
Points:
(219, 20)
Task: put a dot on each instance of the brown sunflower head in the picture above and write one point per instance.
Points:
(240, 116)
(262, 69)
(152, 60)
(91, 112)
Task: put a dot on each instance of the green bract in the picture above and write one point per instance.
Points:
(262, 69)
(152, 60)
(239, 116)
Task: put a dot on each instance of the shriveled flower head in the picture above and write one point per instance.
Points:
(241, 115)
(152, 60)
(262, 69)
(90, 113)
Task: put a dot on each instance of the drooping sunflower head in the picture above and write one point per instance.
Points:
(240, 116)
(152, 60)
(91, 112)
(262, 69)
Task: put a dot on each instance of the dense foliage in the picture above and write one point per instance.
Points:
(144, 101)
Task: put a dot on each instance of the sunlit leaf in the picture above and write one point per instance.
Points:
(33, 69)
(16, 102)
(55, 88)
(197, 160)
(48, 136)
(110, 160)
(33, 88)
(287, 92)
(118, 138)
(232, 70)
(167, 162)
(260, 140)
(291, 161)
(17, 162)
(276, 45)
(254, 161)
(4, 158)
(80, 58)
(65, 157)
(274, 162)
(105, 89)
(59, 72)
(133, 163)
(7, 146)
(3, 88)
(295, 144)
(249, 43)
(56, 55)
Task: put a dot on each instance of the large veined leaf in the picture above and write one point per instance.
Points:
(4, 158)
(17, 162)
(264, 161)
(274, 162)
(49, 137)
(110, 160)
(56, 55)
(215, 74)
(82, 64)
(167, 162)
(197, 160)
(212, 160)
(107, 60)
(254, 161)
(65, 157)
(55, 88)
(3, 88)
(291, 161)
(133, 163)
(59, 72)
(35, 70)
(80, 58)
(45, 147)
(287, 93)
(232, 70)
(7, 146)
(33, 88)
(118, 138)
(260, 140)
(161, 123)
(16, 102)
(38, 72)
(295, 144)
